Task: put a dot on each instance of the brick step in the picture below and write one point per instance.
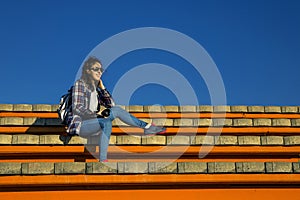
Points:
(146, 153)
(136, 140)
(276, 121)
(188, 130)
(172, 115)
(123, 168)
(168, 108)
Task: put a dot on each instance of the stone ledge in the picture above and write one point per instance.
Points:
(43, 168)
(168, 122)
(162, 167)
(6, 107)
(256, 109)
(279, 167)
(37, 168)
(167, 108)
(69, 168)
(229, 140)
(250, 167)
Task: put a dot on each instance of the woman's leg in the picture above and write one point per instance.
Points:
(106, 126)
(90, 127)
(98, 125)
(149, 129)
(123, 115)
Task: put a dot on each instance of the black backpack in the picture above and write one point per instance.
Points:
(65, 106)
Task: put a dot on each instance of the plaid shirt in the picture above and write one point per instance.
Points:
(80, 105)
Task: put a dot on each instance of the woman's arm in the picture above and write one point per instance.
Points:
(106, 99)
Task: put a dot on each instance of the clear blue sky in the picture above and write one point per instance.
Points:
(254, 43)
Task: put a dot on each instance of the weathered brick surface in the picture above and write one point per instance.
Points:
(153, 108)
(40, 168)
(136, 108)
(226, 140)
(256, 109)
(154, 140)
(221, 108)
(126, 108)
(242, 122)
(34, 121)
(238, 108)
(5, 139)
(202, 140)
(11, 121)
(113, 140)
(25, 139)
(163, 167)
(22, 107)
(170, 109)
(249, 140)
(50, 139)
(221, 167)
(289, 109)
(279, 167)
(6, 107)
(132, 167)
(178, 140)
(78, 140)
(37, 168)
(272, 140)
(281, 122)
(205, 108)
(192, 167)
(187, 108)
(101, 168)
(296, 167)
(10, 168)
(128, 140)
(203, 122)
(250, 167)
(162, 122)
(295, 122)
(69, 168)
(222, 122)
(183, 122)
(272, 109)
(292, 140)
(54, 107)
(262, 122)
(41, 108)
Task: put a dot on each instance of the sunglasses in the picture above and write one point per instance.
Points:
(96, 69)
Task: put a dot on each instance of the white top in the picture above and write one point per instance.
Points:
(93, 101)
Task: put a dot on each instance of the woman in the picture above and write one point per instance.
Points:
(89, 94)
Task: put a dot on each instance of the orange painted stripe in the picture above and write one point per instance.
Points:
(159, 194)
(157, 150)
(53, 180)
(55, 159)
(170, 130)
(167, 115)
(29, 114)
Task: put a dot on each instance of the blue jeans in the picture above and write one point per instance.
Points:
(103, 126)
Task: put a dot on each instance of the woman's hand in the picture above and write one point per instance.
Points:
(101, 85)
